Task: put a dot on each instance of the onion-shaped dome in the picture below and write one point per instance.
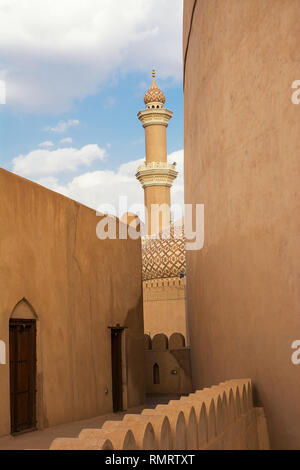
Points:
(154, 94)
(164, 258)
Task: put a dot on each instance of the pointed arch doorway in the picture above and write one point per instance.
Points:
(119, 367)
(22, 351)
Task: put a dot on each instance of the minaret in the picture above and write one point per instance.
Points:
(156, 175)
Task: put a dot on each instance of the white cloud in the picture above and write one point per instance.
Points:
(67, 140)
(38, 163)
(55, 52)
(109, 102)
(138, 141)
(46, 145)
(2, 92)
(62, 126)
(105, 187)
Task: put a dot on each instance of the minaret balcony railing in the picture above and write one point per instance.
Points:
(151, 116)
(157, 174)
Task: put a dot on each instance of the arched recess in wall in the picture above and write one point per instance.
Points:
(148, 342)
(24, 387)
(160, 342)
(156, 379)
(176, 341)
(23, 310)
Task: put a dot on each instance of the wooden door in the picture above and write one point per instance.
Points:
(116, 363)
(22, 351)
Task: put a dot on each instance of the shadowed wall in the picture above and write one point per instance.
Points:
(242, 162)
(78, 286)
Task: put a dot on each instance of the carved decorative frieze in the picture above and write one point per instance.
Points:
(155, 115)
(156, 174)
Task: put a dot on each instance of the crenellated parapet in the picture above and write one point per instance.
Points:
(165, 283)
(164, 289)
(216, 418)
(161, 342)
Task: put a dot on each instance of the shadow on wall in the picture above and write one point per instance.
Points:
(168, 368)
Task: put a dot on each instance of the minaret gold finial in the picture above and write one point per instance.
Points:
(153, 73)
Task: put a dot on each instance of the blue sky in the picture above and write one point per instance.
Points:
(75, 83)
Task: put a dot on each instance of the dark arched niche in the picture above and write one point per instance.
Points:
(24, 311)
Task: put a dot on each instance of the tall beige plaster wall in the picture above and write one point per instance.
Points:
(164, 307)
(242, 162)
(78, 286)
